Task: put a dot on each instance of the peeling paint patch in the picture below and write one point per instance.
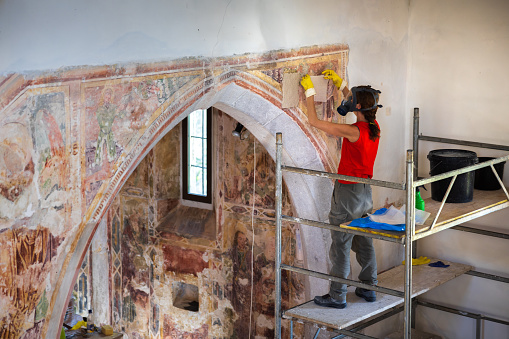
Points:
(182, 260)
(171, 330)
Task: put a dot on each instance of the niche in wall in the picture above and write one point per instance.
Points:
(186, 296)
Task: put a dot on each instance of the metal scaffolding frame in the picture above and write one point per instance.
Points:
(409, 186)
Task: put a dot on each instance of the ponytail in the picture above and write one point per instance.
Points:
(374, 130)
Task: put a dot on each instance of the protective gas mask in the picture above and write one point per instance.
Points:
(350, 104)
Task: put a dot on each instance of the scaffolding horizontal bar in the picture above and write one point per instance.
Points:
(459, 171)
(459, 312)
(341, 280)
(340, 229)
(463, 142)
(381, 183)
(489, 276)
(373, 321)
(342, 333)
(483, 232)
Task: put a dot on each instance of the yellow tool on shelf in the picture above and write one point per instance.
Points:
(419, 261)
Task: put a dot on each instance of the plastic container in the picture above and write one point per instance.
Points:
(90, 322)
(419, 201)
(485, 179)
(445, 160)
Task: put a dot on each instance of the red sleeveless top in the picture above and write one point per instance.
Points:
(358, 158)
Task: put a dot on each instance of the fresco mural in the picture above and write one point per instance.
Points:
(34, 167)
(326, 110)
(33, 210)
(28, 256)
(229, 275)
(65, 139)
(117, 111)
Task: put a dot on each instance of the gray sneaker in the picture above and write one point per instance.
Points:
(368, 295)
(327, 301)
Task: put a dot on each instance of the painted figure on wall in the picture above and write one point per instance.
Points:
(33, 161)
(106, 114)
(241, 291)
(264, 276)
(52, 163)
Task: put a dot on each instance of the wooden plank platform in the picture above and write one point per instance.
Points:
(424, 279)
(484, 202)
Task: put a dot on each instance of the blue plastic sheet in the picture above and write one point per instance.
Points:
(368, 223)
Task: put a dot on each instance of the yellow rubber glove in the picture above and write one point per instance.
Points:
(330, 74)
(308, 85)
(419, 261)
(79, 324)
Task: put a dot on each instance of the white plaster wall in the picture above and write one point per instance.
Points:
(459, 78)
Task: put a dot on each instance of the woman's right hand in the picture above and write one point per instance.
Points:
(309, 88)
(306, 82)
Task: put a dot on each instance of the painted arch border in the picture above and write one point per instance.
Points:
(256, 104)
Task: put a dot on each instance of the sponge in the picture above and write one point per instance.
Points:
(107, 330)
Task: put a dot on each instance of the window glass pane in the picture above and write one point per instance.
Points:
(196, 121)
(196, 152)
(196, 181)
(197, 145)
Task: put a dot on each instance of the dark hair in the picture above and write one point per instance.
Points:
(367, 100)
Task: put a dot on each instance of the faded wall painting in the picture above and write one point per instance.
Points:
(34, 179)
(28, 256)
(225, 275)
(34, 167)
(67, 139)
(116, 113)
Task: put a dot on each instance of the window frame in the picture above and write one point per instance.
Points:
(189, 199)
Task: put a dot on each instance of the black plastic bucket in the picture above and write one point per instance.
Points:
(445, 160)
(485, 179)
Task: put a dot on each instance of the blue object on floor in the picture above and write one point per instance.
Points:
(368, 223)
(438, 264)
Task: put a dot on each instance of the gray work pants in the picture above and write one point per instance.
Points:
(350, 201)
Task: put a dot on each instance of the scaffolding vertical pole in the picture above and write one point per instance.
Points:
(478, 324)
(416, 175)
(279, 201)
(416, 142)
(409, 228)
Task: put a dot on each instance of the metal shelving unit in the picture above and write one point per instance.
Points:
(409, 287)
